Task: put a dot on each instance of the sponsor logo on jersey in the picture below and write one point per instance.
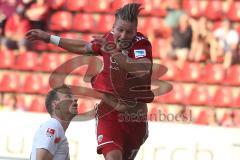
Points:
(100, 138)
(138, 38)
(50, 132)
(138, 53)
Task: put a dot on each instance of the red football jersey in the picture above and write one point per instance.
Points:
(109, 80)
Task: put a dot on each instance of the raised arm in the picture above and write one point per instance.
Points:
(71, 45)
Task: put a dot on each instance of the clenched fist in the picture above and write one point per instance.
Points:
(37, 34)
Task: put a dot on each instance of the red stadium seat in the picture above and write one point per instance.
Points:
(56, 4)
(83, 22)
(61, 21)
(156, 22)
(234, 11)
(192, 8)
(99, 6)
(40, 46)
(120, 3)
(213, 73)
(27, 61)
(233, 75)
(77, 81)
(7, 59)
(214, 10)
(45, 84)
(236, 102)
(223, 97)
(173, 71)
(176, 95)
(37, 105)
(85, 106)
(49, 62)
(9, 82)
(202, 118)
(158, 8)
(142, 24)
(70, 35)
(105, 23)
(156, 45)
(155, 8)
(75, 5)
(199, 95)
(191, 72)
(81, 70)
(156, 110)
(21, 103)
(87, 37)
(32, 83)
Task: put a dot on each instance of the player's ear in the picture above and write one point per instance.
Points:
(55, 104)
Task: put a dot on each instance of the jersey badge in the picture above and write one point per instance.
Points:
(138, 53)
(100, 137)
(50, 132)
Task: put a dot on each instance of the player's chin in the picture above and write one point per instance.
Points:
(74, 111)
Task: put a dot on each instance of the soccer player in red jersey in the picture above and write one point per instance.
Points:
(124, 82)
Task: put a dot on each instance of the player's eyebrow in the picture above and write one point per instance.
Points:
(128, 30)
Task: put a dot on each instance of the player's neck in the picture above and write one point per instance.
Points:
(64, 122)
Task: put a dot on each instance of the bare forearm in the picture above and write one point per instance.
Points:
(75, 46)
(71, 45)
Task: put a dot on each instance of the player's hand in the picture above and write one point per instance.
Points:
(37, 34)
(99, 40)
(106, 46)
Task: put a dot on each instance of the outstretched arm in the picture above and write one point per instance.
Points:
(71, 45)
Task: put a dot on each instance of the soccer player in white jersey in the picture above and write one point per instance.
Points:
(50, 142)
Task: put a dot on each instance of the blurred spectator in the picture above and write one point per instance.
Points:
(171, 20)
(2, 24)
(8, 7)
(227, 39)
(233, 57)
(200, 49)
(204, 44)
(3, 19)
(174, 13)
(16, 27)
(181, 40)
(37, 14)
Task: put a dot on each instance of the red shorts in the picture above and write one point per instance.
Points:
(113, 132)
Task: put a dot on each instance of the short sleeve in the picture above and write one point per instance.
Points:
(45, 138)
(141, 49)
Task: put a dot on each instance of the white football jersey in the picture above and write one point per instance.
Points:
(51, 136)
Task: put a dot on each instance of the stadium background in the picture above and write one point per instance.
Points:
(205, 87)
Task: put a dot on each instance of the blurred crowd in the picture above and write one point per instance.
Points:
(16, 18)
(199, 39)
(182, 37)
